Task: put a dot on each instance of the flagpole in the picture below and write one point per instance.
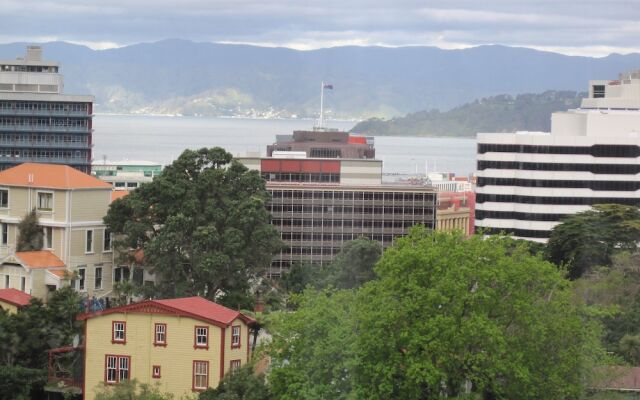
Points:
(321, 121)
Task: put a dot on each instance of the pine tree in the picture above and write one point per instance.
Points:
(31, 236)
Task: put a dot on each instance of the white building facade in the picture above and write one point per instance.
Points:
(528, 181)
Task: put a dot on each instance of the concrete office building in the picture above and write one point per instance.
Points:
(528, 181)
(38, 123)
(319, 204)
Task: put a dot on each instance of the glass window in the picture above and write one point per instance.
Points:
(88, 244)
(201, 337)
(4, 198)
(107, 241)
(118, 332)
(5, 233)
(81, 279)
(200, 375)
(48, 237)
(98, 278)
(235, 365)
(160, 337)
(23, 284)
(156, 371)
(235, 336)
(45, 201)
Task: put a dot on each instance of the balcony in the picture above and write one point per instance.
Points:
(43, 128)
(65, 370)
(43, 113)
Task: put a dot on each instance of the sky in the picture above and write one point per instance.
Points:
(585, 27)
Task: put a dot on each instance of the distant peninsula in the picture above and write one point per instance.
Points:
(503, 113)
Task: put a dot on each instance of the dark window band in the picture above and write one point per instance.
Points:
(615, 169)
(515, 232)
(598, 150)
(554, 183)
(512, 198)
(482, 214)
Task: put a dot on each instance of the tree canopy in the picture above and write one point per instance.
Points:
(202, 225)
(30, 236)
(447, 316)
(591, 238)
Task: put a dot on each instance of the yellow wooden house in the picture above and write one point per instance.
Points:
(185, 345)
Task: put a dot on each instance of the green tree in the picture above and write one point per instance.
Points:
(202, 224)
(19, 383)
(131, 390)
(591, 238)
(450, 316)
(353, 266)
(242, 384)
(30, 235)
(312, 349)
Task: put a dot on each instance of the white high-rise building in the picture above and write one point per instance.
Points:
(528, 181)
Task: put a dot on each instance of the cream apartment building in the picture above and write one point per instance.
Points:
(77, 247)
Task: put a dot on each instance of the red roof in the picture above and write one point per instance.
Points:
(39, 259)
(118, 194)
(194, 307)
(15, 297)
(50, 176)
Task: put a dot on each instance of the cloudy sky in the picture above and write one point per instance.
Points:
(584, 27)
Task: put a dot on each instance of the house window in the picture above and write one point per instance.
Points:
(155, 371)
(235, 336)
(47, 232)
(117, 368)
(121, 274)
(98, 278)
(107, 241)
(5, 233)
(201, 337)
(88, 244)
(81, 279)
(23, 283)
(4, 198)
(160, 338)
(118, 332)
(234, 365)
(45, 201)
(7, 281)
(200, 375)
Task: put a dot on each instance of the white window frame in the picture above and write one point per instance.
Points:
(82, 279)
(23, 284)
(200, 370)
(160, 334)
(38, 193)
(86, 241)
(7, 281)
(106, 234)
(235, 337)
(201, 332)
(95, 277)
(4, 231)
(47, 239)
(3, 189)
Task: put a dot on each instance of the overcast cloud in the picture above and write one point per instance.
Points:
(585, 27)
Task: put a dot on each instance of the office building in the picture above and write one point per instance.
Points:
(528, 181)
(38, 123)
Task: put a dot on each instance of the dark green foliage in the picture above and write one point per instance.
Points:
(301, 275)
(31, 236)
(503, 113)
(19, 383)
(591, 238)
(243, 384)
(202, 224)
(353, 266)
(131, 390)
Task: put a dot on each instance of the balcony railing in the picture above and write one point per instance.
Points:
(44, 144)
(45, 113)
(66, 369)
(42, 128)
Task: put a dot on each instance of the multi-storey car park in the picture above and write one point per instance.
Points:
(37, 122)
(528, 181)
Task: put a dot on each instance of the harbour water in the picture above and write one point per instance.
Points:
(162, 139)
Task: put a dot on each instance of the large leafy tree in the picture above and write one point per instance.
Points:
(242, 384)
(450, 316)
(202, 225)
(591, 238)
(353, 266)
(30, 235)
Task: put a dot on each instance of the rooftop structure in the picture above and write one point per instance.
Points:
(528, 181)
(38, 123)
(126, 174)
(325, 144)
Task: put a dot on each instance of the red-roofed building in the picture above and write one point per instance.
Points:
(12, 300)
(184, 345)
(70, 206)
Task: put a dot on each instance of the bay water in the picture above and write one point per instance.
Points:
(161, 139)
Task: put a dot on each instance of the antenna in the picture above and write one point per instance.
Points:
(321, 120)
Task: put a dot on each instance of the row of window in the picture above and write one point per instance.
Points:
(43, 138)
(340, 223)
(43, 106)
(300, 177)
(378, 210)
(308, 251)
(44, 153)
(118, 369)
(336, 237)
(482, 214)
(200, 335)
(616, 169)
(555, 183)
(23, 282)
(350, 195)
(512, 198)
(28, 68)
(26, 121)
(598, 150)
(529, 233)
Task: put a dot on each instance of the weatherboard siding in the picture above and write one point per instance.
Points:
(89, 205)
(8, 307)
(175, 359)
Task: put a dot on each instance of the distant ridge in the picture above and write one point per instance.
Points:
(503, 113)
(183, 77)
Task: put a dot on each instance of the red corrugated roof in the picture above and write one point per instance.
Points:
(15, 297)
(193, 307)
(50, 176)
(39, 259)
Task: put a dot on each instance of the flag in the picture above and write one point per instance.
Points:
(327, 86)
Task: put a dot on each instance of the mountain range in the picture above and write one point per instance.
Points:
(183, 77)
